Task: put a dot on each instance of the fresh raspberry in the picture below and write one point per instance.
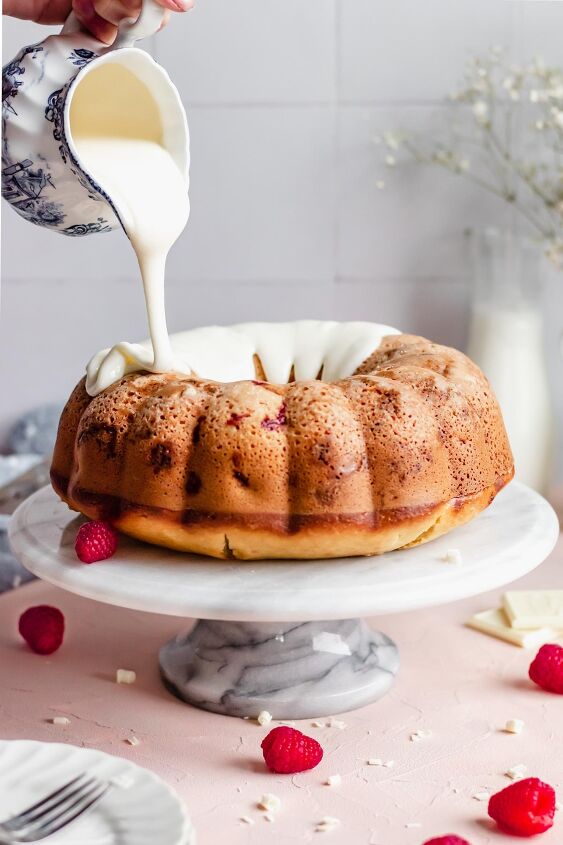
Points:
(287, 751)
(546, 669)
(525, 808)
(448, 839)
(42, 627)
(95, 541)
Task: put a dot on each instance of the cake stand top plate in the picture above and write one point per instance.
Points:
(513, 536)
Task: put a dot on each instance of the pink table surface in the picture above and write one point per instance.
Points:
(459, 684)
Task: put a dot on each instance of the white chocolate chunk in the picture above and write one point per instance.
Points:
(419, 735)
(246, 820)
(318, 725)
(268, 817)
(269, 802)
(514, 726)
(336, 723)
(516, 772)
(375, 761)
(60, 720)
(264, 718)
(125, 676)
(327, 824)
(133, 740)
(481, 796)
(333, 780)
(495, 623)
(534, 608)
(453, 556)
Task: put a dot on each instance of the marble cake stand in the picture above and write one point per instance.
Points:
(263, 641)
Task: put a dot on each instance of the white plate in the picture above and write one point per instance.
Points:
(148, 812)
(514, 535)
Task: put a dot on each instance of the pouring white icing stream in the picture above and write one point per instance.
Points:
(118, 136)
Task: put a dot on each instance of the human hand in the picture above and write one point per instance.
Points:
(100, 17)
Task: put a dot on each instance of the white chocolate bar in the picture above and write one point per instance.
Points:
(534, 608)
(495, 623)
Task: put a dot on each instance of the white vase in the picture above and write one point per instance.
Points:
(506, 339)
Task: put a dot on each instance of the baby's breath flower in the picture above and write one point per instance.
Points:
(531, 183)
(392, 139)
(481, 111)
(538, 67)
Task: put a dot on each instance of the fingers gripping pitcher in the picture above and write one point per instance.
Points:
(71, 86)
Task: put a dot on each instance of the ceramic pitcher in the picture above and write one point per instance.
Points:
(42, 176)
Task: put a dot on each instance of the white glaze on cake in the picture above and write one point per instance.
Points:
(226, 353)
(126, 153)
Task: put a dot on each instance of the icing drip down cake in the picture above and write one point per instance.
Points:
(298, 440)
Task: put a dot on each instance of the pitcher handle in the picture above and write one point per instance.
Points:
(72, 24)
(149, 21)
(129, 30)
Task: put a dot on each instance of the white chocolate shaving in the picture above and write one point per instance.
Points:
(125, 676)
(269, 802)
(514, 726)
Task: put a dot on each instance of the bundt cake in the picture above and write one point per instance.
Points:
(376, 441)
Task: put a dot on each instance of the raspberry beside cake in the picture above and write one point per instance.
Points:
(406, 447)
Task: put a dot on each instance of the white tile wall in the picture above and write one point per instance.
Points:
(408, 51)
(412, 227)
(257, 51)
(263, 197)
(284, 100)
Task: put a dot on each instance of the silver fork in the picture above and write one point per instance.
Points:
(55, 811)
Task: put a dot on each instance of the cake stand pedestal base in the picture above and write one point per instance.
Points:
(294, 670)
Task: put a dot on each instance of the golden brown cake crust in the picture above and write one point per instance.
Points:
(407, 448)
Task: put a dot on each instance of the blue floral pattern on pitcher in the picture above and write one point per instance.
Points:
(80, 57)
(35, 184)
(42, 177)
(10, 74)
(23, 187)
